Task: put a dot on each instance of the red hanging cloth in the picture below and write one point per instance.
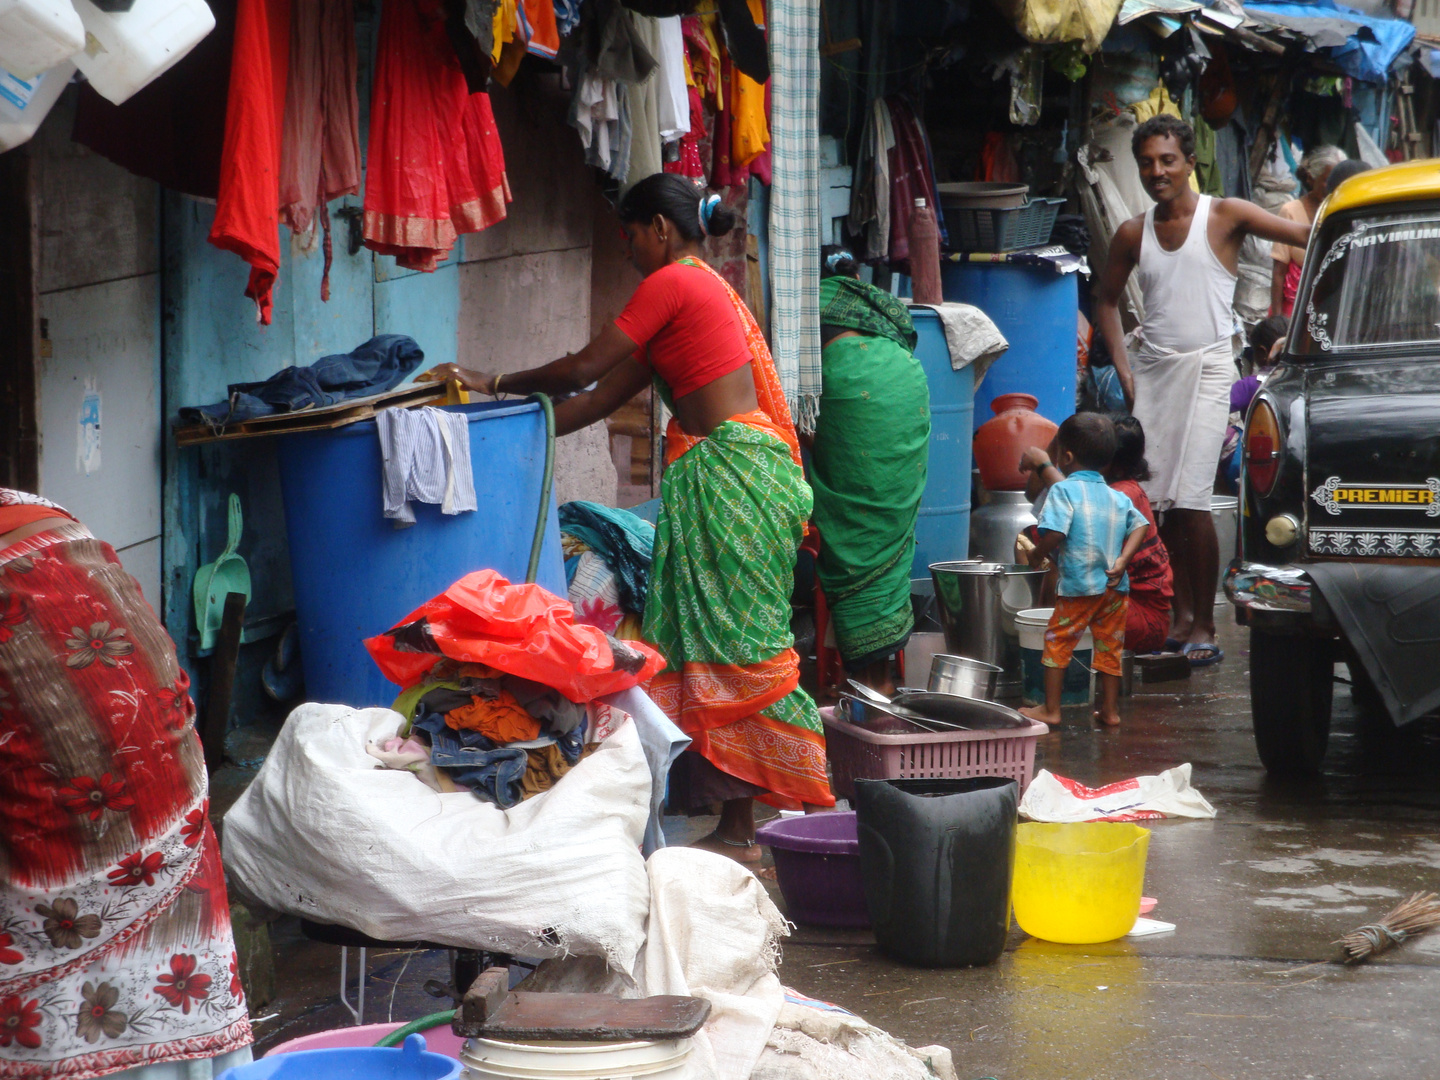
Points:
(435, 167)
(247, 219)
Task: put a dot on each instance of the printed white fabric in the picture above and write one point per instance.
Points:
(425, 455)
(1182, 400)
(795, 204)
(323, 834)
(714, 934)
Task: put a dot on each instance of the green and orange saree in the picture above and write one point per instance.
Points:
(733, 511)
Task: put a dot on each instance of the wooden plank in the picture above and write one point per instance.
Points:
(489, 1011)
(222, 681)
(331, 416)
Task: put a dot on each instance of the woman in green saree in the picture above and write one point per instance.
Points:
(868, 468)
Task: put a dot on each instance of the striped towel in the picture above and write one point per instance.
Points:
(425, 456)
(795, 204)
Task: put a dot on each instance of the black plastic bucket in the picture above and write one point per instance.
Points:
(936, 857)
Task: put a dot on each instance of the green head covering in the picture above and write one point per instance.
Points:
(854, 305)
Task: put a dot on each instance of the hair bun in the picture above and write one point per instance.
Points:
(719, 219)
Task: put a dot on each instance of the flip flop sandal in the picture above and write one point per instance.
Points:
(1216, 653)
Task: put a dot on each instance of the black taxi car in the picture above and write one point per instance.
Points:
(1339, 545)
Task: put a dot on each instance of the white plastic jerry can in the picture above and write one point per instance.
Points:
(126, 50)
(35, 35)
(24, 102)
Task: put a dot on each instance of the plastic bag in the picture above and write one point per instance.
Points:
(323, 834)
(1141, 798)
(521, 630)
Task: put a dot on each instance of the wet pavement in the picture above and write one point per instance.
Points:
(1244, 987)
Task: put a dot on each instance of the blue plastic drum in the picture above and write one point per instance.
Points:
(1036, 309)
(942, 533)
(356, 575)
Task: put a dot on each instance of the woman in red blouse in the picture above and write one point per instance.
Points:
(734, 503)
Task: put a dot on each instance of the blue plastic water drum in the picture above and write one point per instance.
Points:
(356, 575)
(942, 533)
(1036, 309)
(409, 1062)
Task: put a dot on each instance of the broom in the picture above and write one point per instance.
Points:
(1413, 917)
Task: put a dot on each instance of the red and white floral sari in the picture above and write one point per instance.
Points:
(115, 942)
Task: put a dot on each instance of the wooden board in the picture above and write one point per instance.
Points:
(492, 1011)
(326, 419)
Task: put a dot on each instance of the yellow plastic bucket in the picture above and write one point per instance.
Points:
(1081, 883)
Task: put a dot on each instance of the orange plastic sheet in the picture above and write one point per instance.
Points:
(521, 630)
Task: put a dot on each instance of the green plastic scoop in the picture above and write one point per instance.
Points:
(214, 581)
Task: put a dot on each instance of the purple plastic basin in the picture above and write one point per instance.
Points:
(817, 864)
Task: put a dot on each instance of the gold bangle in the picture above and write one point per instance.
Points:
(495, 386)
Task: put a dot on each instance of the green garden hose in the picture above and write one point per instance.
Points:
(545, 484)
(425, 1023)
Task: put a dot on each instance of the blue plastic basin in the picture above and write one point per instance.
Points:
(409, 1062)
(356, 575)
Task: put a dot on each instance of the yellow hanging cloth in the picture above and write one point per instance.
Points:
(749, 130)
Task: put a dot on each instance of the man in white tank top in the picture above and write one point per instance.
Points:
(1177, 369)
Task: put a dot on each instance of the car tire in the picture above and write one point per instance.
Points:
(1292, 691)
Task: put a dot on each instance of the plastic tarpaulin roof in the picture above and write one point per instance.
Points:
(1367, 52)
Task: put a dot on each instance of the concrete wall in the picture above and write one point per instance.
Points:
(525, 284)
(99, 401)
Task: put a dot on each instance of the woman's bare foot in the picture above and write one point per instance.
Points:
(745, 852)
(1039, 712)
(1105, 719)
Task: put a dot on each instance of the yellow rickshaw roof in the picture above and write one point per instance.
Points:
(1393, 183)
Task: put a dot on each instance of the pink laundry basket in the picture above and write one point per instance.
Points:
(857, 753)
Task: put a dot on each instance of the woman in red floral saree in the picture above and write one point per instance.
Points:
(115, 948)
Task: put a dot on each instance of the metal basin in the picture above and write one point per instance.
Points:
(963, 676)
(977, 604)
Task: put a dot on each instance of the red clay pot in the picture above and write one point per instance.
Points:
(1000, 441)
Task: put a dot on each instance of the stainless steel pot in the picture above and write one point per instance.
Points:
(996, 523)
(963, 676)
(977, 604)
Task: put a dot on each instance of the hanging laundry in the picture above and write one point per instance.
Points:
(539, 28)
(247, 219)
(567, 16)
(689, 162)
(501, 719)
(436, 166)
(425, 457)
(320, 147)
(870, 191)
(642, 100)
(911, 177)
(749, 128)
(674, 98)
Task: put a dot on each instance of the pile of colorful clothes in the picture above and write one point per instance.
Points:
(607, 566)
(501, 737)
(495, 677)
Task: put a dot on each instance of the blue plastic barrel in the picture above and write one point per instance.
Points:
(1035, 308)
(356, 575)
(943, 532)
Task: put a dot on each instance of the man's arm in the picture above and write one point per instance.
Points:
(1124, 254)
(1247, 219)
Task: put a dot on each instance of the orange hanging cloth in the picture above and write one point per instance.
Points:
(247, 218)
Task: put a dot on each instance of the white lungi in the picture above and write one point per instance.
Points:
(1182, 400)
